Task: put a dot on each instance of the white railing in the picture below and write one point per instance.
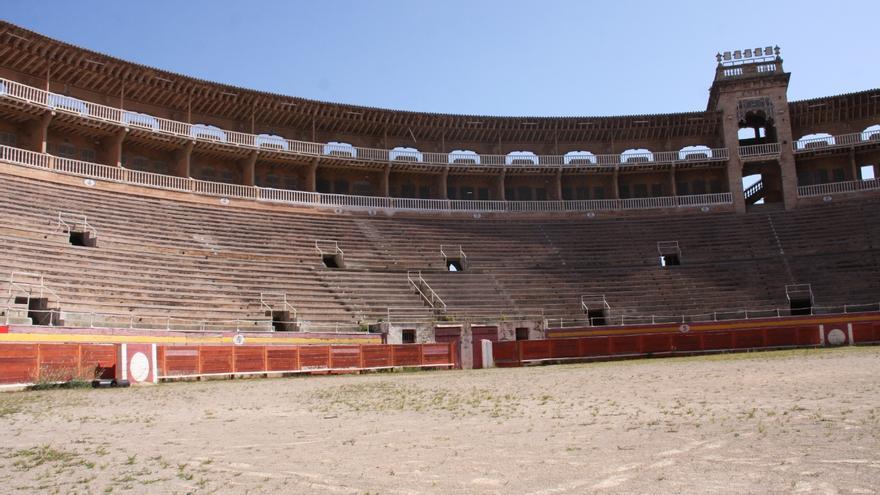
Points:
(705, 199)
(285, 196)
(277, 144)
(838, 141)
(225, 190)
(759, 150)
(89, 170)
(158, 181)
(839, 187)
(754, 189)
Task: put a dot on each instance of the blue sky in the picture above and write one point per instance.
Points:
(505, 57)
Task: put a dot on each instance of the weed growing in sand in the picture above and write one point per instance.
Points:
(27, 459)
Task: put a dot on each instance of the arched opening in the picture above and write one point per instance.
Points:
(209, 132)
(637, 155)
(141, 120)
(334, 148)
(579, 158)
(271, 141)
(405, 154)
(746, 134)
(753, 189)
(695, 152)
(871, 133)
(464, 157)
(68, 103)
(813, 141)
(756, 114)
(521, 158)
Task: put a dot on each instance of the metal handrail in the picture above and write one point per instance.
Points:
(723, 315)
(798, 288)
(189, 324)
(284, 303)
(336, 248)
(594, 297)
(28, 287)
(199, 132)
(665, 247)
(431, 297)
(66, 226)
(461, 254)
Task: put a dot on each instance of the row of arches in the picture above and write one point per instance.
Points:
(401, 153)
(469, 157)
(823, 139)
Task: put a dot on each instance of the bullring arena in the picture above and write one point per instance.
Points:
(157, 228)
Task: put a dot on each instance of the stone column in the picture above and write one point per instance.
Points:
(500, 186)
(385, 186)
(856, 173)
(39, 132)
(113, 148)
(311, 184)
(787, 169)
(558, 191)
(183, 158)
(444, 183)
(249, 169)
(616, 186)
(734, 165)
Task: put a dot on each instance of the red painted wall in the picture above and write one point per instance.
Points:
(660, 340)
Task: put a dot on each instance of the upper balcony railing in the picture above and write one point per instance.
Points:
(838, 187)
(122, 175)
(209, 134)
(750, 70)
(838, 141)
(759, 151)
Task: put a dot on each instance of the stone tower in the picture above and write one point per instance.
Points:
(750, 90)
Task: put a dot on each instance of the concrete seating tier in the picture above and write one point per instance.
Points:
(160, 260)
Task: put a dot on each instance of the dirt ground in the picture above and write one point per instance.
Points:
(780, 422)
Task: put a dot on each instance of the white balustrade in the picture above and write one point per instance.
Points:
(759, 150)
(27, 158)
(203, 133)
(838, 187)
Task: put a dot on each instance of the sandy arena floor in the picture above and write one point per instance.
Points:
(783, 422)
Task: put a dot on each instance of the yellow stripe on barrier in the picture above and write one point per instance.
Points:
(158, 339)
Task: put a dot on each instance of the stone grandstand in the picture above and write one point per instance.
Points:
(122, 210)
(161, 262)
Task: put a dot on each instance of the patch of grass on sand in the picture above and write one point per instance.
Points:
(27, 459)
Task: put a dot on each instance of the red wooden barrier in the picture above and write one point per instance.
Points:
(28, 363)
(282, 358)
(799, 334)
(189, 361)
